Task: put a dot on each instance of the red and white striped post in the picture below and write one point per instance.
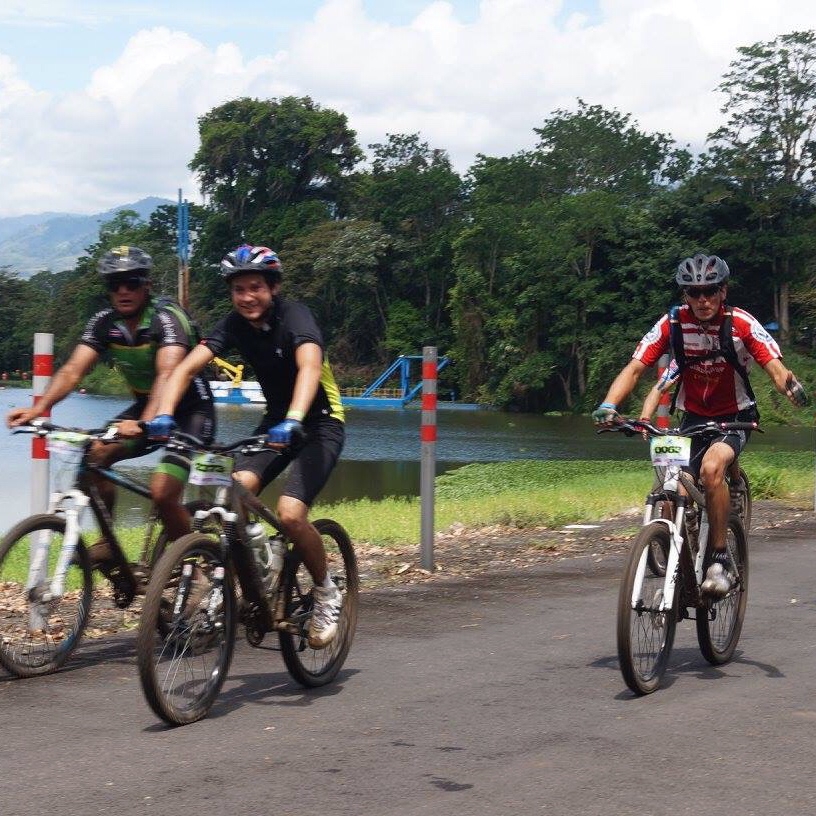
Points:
(663, 407)
(427, 435)
(42, 369)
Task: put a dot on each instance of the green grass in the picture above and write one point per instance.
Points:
(538, 493)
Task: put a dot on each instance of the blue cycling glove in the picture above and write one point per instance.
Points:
(284, 432)
(160, 427)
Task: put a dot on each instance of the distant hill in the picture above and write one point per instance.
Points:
(29, 243)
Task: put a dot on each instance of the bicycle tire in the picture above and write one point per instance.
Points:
(183, 665)
(657, 557)
(744, 514)
(317, 667)
(719, 626)
(29, 652)
(645, 636)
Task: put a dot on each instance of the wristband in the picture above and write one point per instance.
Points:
(293, 413)
(608, 405)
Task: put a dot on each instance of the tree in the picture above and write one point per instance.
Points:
(257, 155)
(767, 147)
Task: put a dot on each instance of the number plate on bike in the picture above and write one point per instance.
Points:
(211, 469)
(671, 450)
(66, 442)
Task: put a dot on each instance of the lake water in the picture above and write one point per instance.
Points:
(382, 452)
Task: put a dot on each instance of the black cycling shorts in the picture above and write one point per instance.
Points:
(200, 423)
(736, 440)
(311, 463)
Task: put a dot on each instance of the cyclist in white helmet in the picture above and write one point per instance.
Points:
(712, 385)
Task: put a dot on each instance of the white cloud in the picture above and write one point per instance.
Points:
(468, 87)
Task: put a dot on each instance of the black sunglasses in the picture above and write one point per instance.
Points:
(703, 291)
(131, 283)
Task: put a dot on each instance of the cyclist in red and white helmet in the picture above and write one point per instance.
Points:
(280, 339)
(712, 383)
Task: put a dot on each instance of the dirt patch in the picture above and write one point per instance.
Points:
(464, 554)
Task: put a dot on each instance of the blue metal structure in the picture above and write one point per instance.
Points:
(370, 398)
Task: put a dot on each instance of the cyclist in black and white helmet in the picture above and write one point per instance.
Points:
(713, 384)
(304, 418)
(145, 338)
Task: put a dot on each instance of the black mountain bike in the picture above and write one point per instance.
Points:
(46, 578)
(209, 581)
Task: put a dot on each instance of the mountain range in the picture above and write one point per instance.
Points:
(54, 241)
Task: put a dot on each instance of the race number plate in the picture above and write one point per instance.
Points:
(66, 442)
(211, 469)
(671, 450)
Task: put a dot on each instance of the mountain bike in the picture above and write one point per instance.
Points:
(183, 666)
(659, 505)
(649, 605)
(46, 577)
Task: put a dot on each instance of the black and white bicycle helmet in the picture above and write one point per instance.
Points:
(124, 260)
(702, 270)
(248, 258)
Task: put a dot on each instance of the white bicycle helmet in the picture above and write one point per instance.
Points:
(702, 270)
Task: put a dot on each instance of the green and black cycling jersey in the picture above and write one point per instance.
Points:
(162, 323)
(271, 353)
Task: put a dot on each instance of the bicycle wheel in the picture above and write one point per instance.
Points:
(658, 557)
(316, 667)
(183, 663)
(719, 626)
(645, 633)
(741, 504)
(38, 635)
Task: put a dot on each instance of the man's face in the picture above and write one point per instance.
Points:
(252, 295)
(705, 301)
(128, 292)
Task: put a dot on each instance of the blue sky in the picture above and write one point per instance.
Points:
(99, 99)
(81, 35)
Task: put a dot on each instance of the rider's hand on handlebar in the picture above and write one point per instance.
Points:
(129, 429)
(284, 433)
(795, 392)
(20, 416)
(160, 427)
(605, 414)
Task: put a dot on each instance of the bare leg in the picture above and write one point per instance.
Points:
(167, 491)
(718, 502)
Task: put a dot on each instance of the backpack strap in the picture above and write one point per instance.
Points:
(729, 352)
(677, 349)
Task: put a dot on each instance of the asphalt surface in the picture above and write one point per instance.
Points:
(493, 696)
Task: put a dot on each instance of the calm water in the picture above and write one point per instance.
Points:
(382, 452)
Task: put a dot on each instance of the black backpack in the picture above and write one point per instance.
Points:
(726, 350)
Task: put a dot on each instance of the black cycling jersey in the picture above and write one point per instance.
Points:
(271, 353)
(134, 353)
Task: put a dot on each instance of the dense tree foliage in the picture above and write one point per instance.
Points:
(536, 272)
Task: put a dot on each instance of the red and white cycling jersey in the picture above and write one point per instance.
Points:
(711, 387)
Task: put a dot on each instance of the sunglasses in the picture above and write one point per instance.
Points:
(131, 283)
(703, 291)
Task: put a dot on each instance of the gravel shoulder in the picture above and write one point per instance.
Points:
(462, 555)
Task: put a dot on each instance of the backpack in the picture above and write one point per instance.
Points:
(170, 305)
(727, 350)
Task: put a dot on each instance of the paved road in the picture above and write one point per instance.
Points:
(493, 698)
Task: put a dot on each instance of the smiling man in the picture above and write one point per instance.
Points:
(145, 339)
(304, 419)
(712, 367)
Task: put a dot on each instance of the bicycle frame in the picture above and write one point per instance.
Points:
(72, 504)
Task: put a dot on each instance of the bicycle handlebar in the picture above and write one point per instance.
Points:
(631, 427)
